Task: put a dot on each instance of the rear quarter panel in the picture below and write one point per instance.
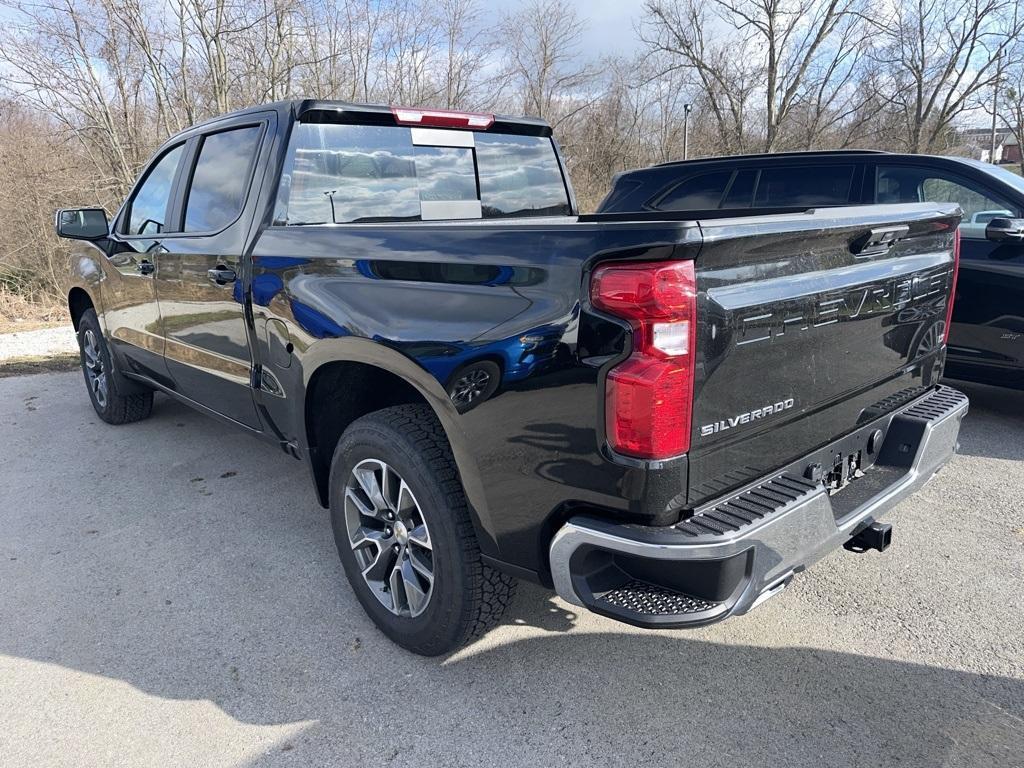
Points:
(425, 299)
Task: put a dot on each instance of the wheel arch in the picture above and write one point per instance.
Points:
(79, 301)
(348, 378)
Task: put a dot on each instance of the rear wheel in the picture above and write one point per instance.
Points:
(102, 379)
(404, 535)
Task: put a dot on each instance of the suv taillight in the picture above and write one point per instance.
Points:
(952, 288)
(649, 395)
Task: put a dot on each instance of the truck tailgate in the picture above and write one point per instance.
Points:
(808, 325)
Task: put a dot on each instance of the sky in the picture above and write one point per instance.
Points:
(609, 24)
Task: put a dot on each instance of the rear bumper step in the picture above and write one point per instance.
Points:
(737, 551)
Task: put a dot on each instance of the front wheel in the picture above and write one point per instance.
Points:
(404, 535)
(101, 378)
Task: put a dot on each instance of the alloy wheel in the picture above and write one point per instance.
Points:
(95, 371)
(389, 537)
(470, 386)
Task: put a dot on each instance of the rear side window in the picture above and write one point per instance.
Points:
(700, 192)
(795, 186)
(148, 208)
(221, 178)
(357, 173)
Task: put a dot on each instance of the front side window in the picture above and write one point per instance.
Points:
(147, 211)
(221, 178)
(796, 186)
(344, 173)
(907, 184)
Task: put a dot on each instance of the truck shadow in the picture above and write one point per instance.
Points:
(226, 588)
(611, 698)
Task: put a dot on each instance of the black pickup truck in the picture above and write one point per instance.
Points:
(663, 416)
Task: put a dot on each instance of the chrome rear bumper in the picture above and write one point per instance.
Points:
(741, 549)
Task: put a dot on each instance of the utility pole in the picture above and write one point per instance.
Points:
(686, 130)
(995, 111)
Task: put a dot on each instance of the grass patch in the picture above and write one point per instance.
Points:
(19, 314)
(25, 366)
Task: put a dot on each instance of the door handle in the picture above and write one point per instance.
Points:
(146, 267)
(222, 275)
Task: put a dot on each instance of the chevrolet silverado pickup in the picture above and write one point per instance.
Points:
(664, 416)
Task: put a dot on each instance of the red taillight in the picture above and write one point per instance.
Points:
(649, 396)
(442, 118)
(952, 288)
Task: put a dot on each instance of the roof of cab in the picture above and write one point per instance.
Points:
(327, 110)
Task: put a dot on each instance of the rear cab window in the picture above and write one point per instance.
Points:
(343, 173)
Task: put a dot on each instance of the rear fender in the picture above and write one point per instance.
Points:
(357, 350)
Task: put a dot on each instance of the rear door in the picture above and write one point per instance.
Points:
(807, 326)
(200, 280)
(987, 330)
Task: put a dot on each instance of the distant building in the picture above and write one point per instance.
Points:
(1011, 151)
(978, 141)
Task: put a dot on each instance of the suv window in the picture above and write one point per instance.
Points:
(147, 210)
(908, 184)
(221, 178)
(793, 186)
(698, 192)
(741, 191)
(358, 173)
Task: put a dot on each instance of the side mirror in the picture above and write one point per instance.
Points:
(1002, 230)
(82, 223)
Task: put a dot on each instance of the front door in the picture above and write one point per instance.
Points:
(131, 312)
(200, 281)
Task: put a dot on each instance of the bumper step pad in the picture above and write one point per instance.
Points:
(651, 600)
(755, 504)
(938, 405)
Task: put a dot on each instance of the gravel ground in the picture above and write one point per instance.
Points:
(41, 343)
(171, 597)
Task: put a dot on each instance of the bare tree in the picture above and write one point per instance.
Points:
(542, 44)
(788, 52)
(936, 57)
(1012, 103)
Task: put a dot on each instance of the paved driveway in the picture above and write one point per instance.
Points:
(170, 596)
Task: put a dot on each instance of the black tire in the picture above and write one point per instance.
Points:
(473, 384)
(110, 400)
(467, 597)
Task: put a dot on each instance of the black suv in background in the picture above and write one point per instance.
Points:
(987, 338)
